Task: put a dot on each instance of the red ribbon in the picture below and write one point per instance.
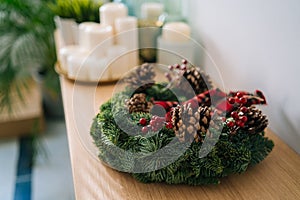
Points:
(219, 98)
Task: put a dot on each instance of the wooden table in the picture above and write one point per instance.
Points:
(277, 177)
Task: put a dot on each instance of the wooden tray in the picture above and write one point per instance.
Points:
(64, 73)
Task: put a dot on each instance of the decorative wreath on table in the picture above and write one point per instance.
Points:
(205, 133)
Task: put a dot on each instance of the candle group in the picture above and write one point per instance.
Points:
(107, 50)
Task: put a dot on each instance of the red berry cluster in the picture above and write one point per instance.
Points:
(239, 117)
(182, 68)
(155, 124)
(239, 99)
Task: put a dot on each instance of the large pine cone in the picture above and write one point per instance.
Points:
(138, 103)
(257, 122)
(142, 78)
(190, 125)
(198, 80)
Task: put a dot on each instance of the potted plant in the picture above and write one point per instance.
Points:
(70, 12)
(79, 10)
(26, 49)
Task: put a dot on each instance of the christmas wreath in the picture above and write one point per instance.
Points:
(183, 130)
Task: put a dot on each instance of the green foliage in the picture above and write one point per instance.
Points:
(26, 44)
(232, 153)
(80, 10)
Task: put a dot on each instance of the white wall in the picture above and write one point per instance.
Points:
(256, 45)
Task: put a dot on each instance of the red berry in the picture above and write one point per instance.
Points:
(152, 122)
(168, 76)
(184, 61)
(230, 124)
(244, 109)
(169, 125)
(224, 119)
(154, 128)
(237, 100)
(145, 129)
(171, 67)
(183, 67)
(244, 119)
(240, 123)
(177, 66)
(234, 115)
(143, 121)
(243, 100)
(231, 100)
(168, 116)
(239, 95)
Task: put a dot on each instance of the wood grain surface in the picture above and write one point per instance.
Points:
(277, 177)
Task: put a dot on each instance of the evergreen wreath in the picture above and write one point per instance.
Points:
(239, 136)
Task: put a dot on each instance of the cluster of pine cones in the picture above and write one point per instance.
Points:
(188, 124)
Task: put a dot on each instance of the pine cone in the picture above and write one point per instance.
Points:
(138, 103)
(198, 80)
(205, 118)
(142, 78)
(257, 122)
(190, 125)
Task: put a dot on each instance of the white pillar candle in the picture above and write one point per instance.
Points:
(67, 28)
(58, 43)
(176, 32)
(126, 32)
(169, 52)
(98, 38)
(82, 37)
(77, 67)
(125, 24)
(151, 10)
(65, 52)
(109, 12)
(127, 36)
(117, 61)
(97, 69)
(175, 44)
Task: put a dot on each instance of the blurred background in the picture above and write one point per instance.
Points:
(255, 45)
